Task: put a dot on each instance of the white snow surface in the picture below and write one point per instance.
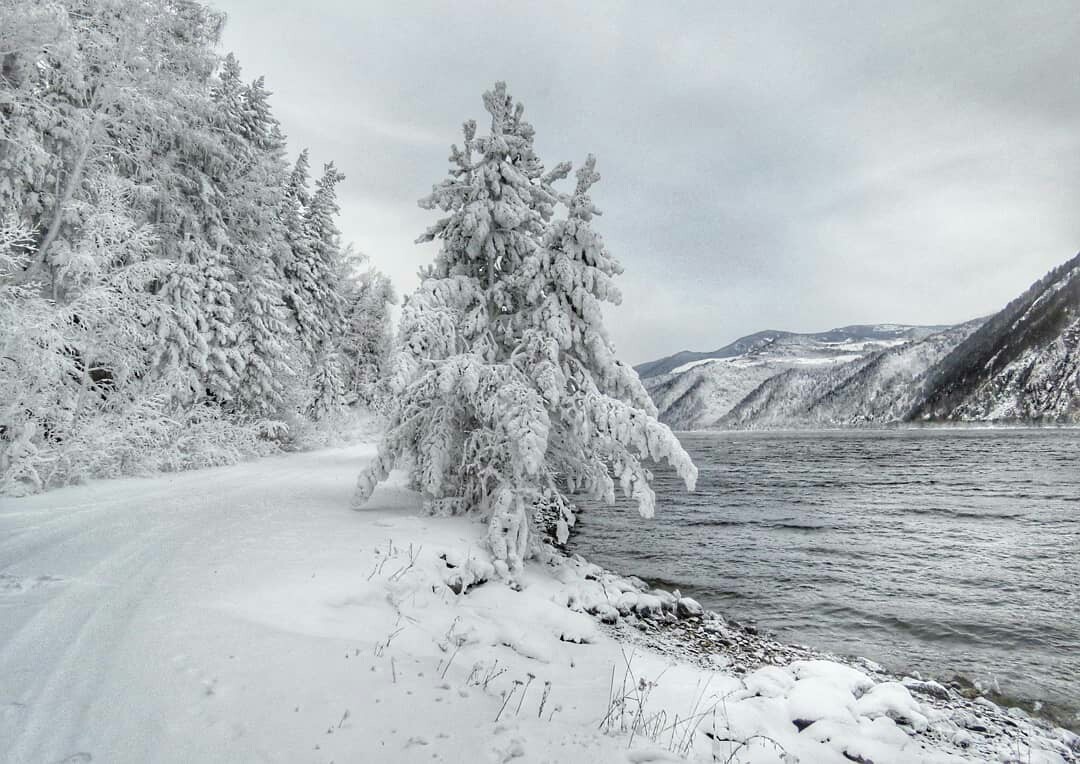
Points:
(247, 614)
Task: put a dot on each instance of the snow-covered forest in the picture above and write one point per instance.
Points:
(174, 292)
(260, 503)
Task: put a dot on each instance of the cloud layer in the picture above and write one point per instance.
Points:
(765, 165)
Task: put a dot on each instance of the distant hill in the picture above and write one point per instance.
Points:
(758, 340)
(701, 390)
(878, 388)
(1022, 365)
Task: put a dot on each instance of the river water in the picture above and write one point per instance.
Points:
(948, 552)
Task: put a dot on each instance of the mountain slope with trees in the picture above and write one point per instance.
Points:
(876, 389)
(1022, 365)
(701, 392)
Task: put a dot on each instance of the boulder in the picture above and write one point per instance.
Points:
(687, 607)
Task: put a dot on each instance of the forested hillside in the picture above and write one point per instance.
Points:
(1022, 365)
(877, 389)
(173, 288)
(706, 392)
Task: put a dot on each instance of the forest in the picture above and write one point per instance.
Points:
(174, 291)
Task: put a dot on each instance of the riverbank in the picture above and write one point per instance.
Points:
(245, 613)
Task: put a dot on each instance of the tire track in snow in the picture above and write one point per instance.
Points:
(74, 633)
(121, 554)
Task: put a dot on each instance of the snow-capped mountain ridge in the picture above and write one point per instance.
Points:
(699, 391)
(1020, 365)
(759, 340)
(876, 389)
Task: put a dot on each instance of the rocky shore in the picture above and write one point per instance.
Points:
(948, 717)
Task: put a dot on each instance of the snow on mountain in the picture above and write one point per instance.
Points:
(878, 388)
(685, 359)
(698, 390)
(1022, 365)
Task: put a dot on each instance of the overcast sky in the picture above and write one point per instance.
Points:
(765, 165)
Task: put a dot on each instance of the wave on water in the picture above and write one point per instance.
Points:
(942, 553)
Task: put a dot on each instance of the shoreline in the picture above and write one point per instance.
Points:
(974, 723)
(697, 642)
(1052, 713)
(894, 427)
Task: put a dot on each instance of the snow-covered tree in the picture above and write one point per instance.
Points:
(314, 265)
(256, 243)
(319, 289)
(367, 343)
(86, 83)
(70, 361)
(509, 398)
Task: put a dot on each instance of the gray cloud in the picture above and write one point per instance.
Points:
(766, 165)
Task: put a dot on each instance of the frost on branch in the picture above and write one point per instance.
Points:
(509, 398)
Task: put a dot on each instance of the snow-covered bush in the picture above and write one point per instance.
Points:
(508, 396)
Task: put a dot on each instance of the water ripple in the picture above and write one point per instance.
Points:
(947, 552)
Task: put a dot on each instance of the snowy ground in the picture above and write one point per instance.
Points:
(246, 614)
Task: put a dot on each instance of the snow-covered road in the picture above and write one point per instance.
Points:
(109, 640)
(248, 614)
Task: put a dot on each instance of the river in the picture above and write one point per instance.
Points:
(948, 552)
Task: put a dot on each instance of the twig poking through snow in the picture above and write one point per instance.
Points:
(524, 690)
(413, 557)
(543, 699)
(506, 698)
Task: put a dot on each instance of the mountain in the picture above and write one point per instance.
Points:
(684, 357)
(878, 388)
(759, 340)
(1022, 365)
(702, 389)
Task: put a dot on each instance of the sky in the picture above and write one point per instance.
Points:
(765, 165)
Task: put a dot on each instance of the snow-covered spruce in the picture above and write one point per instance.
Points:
(509, 398)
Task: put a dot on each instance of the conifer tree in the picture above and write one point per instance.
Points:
(368, 341)
(508, 396)
(252, 198)
(322, 291)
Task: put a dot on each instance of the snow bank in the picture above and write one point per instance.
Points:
(243, 614)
